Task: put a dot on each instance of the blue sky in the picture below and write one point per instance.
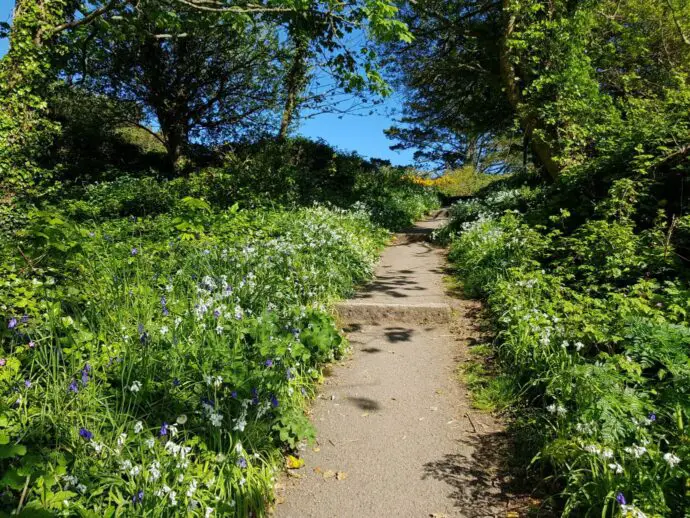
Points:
(363, 134)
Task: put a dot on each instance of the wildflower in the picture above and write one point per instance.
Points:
(155, 470)
(616, 468)
(3, 362)
(31, 344)
(81, 488)
(209, 512)
(12, 323)
(274, 401)
(242, 463)
(135, 251)
(27, 383)
(565, 344)
(672, 459)
(138, 497)
(636, 451)
(579, 346)
(173, 497)
(269, 363)
(97, 446)
(85, 434)
(178, 321)
(138, 427)
(216, 419)
(73, 387)
(134, 472)
(121, 440)
(85, 374)
(233, 394)
(216, 313)
(163, 430)
(288, 374)
(651, 417)
(136, 386)
(182, 419)
(125, 465)
(150, 442)
(219, 329)
(192, 488)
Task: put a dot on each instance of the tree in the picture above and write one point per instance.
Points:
(197, 75)
(567, 74)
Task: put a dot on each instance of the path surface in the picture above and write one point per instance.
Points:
(396, 436)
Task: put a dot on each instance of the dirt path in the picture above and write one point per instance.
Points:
(396, 434)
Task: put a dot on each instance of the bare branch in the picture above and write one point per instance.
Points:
(90, 17)
(219, 8)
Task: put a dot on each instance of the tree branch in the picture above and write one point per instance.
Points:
(89, 17)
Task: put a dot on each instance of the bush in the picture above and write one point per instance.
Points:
(592, 329)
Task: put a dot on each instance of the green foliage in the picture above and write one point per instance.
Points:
(589, 309)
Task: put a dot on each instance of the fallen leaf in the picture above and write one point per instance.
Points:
(341, 475)
(316, 449)
(293, 462)
(294, 474)
(317, 469)
(328, 474)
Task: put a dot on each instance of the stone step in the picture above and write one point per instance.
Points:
(356, 312)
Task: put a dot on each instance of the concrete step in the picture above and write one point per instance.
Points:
(359, 312)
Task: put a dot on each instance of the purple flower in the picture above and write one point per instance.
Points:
(242, 463)
(32, 344)
(164, 430)
(12, 323)
(216, 313)
(135, 251)
(288, 374)
(176, 382)
(233, 394)
(620, 498)
(85, 374)
(138, 498)
(274, 401)
(73, 387)
(269, 363)
(25, 319)
(3, 362)
(652, 417)
(85, 434)
(27, 383)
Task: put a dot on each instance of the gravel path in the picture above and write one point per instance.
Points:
(396, 434)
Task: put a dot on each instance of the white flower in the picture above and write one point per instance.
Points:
(630, 511)
(178, 321)
(121, 440)
(182, 419)
(173, 430)
(579, 346)
(565, 344)
(81, 488)
(173, 497)
(192, 488)
(219, 329)
(138, 427)
(607, 454)
(216, 419)
(591, 448)
(97, 446)
(209, 512)
(636, 451)
(169, 288)
(150, 442)
(180, 478)
(155, 471)
(238, 447)
(243, 481)
(125, 465)
(616, 468)
(134, 472)
(164, 330)
(671, 459)
(136, 386)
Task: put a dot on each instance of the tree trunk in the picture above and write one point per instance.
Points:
(294, 82)
(528, 120)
